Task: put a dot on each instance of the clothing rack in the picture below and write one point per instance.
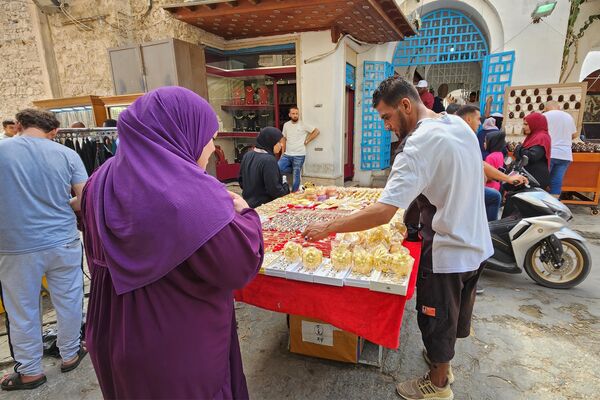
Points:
(64, 133)
(94, 145)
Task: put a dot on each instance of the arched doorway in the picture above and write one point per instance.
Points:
(451, 48)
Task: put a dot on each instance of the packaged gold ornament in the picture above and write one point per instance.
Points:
(341, 255)
(398, 227)
(400, 264)
(381, 258)
(312, 258)
(362, 260)
(397, 247)
(292, 251)
(379, 235)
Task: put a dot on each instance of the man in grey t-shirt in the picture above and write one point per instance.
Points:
(441, 168)
(38, 236)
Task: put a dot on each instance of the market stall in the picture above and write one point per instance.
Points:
(581, 184)
(357, 282)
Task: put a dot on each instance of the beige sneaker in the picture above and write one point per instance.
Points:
(450, 373)
(422, 388)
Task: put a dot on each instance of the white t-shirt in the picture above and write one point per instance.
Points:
(442, 161)
(295, 135)
(561, 127)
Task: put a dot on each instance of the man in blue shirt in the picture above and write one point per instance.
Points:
(38, 236)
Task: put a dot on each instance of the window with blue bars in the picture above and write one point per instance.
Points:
(497, 76)
(350, 76)
(375, 142)
(445, 36)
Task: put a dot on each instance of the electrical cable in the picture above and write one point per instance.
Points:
(337, 45)
(81, 26)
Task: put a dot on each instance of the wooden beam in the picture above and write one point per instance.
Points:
(210, 6)
(254, 2)
(190, 8)
(335, 34)
(233, 3)
(384, 16)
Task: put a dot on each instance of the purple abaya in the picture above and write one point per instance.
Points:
(174, 338)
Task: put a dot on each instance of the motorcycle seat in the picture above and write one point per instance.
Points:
(503, 226)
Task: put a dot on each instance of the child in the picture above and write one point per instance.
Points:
(495, 143)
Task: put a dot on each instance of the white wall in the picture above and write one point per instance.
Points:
(321, 85)
(507, 26)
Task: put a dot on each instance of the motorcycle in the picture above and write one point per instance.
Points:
(533, 235)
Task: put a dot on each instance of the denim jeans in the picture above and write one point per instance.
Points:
(292, 164)
(493, 199)
(21, 277)
(558, 168)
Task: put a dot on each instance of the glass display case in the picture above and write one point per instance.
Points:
(247, 101)
(86, 109)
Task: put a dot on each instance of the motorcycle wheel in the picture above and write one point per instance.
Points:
(576, 265)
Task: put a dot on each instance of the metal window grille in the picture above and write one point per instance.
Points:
(446, 36)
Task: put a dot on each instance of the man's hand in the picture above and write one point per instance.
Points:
(239, 204)
(315, 232)
(518, 180)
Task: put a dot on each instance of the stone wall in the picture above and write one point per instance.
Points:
(21, 70)
(82, 61)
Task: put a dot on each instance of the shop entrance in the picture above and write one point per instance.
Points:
(451, 49)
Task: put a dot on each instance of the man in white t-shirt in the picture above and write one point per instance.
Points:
(562, 129)
(297, 135)
(440, 167)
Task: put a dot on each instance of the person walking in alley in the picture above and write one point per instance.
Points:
(39, 237)
(297, 135)
(453, 250)
(562, 130)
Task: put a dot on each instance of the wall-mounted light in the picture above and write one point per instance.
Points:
(543, 9)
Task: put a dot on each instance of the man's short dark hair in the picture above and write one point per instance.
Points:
(109, 123)
(473, 94)
(34, 118)
(452, 108)
(394, 89)
(7, 122)
(466, 110)
(294, 107)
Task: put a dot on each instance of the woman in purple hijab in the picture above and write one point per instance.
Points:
(166, 245)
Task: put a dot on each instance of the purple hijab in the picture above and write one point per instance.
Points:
(153, 205)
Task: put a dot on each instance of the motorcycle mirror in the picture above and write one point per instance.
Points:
(525, 161)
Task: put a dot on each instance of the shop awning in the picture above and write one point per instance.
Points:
(371, 21)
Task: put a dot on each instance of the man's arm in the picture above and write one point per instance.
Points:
(492, 173)
(283, 143)
(75, 202)
(575, 135)
(488, 107)
(312, 136)
(372, 216)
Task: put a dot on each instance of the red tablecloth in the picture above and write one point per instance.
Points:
(375, 316)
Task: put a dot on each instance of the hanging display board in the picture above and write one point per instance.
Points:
(520, 101)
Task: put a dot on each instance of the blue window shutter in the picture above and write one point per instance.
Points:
(497, 76)
(375, 142)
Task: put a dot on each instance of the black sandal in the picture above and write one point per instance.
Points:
(14, 382)
(80, 355)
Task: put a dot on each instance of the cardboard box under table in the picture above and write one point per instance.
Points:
(311, 337)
